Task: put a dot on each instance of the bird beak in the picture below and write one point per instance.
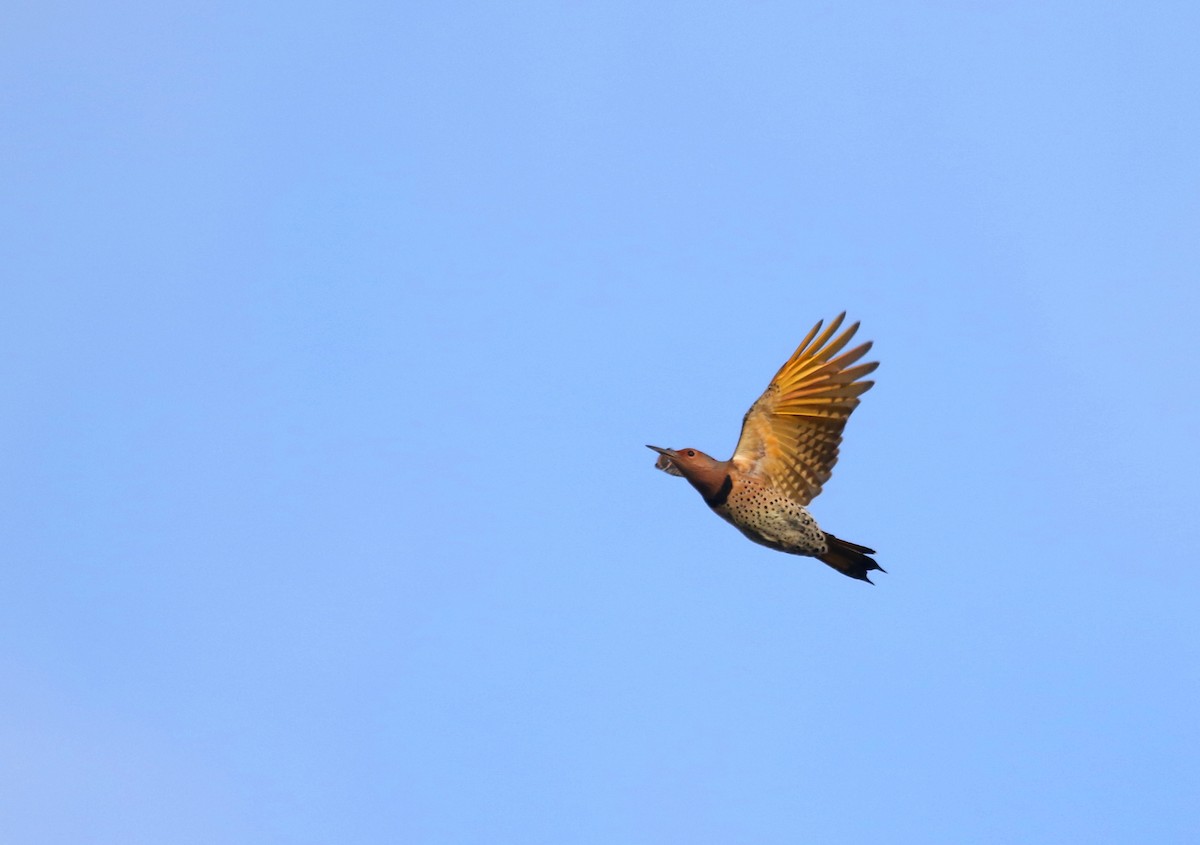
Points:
(666, 460)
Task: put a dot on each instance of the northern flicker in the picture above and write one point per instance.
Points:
(786, 452)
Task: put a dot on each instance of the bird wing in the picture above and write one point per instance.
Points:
(792, 433)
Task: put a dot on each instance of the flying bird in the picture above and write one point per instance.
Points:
(786, 452)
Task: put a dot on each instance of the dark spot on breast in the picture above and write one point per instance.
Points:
(722, 495)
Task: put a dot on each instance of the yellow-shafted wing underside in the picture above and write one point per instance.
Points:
(792, 433)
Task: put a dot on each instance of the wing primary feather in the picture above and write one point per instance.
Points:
(839, 342)
(820, 370)
(803, 344)
(831, 391)
(828, 333)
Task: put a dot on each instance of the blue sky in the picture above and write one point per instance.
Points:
(331, 337)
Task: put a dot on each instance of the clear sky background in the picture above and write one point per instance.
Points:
(330, 337)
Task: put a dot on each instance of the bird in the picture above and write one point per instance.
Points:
(786, 452)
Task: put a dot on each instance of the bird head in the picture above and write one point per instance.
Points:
(680, 460)
(704, 472)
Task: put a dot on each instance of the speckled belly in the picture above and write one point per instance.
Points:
(768, 517)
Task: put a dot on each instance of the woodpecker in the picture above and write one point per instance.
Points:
(786, 452)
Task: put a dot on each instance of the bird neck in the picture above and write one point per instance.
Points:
(712, 482)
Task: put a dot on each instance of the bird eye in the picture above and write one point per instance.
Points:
(691, 453)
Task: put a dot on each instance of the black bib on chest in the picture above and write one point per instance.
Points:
(722, 495)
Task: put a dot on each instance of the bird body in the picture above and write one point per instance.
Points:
(770, 519)
(788, 446)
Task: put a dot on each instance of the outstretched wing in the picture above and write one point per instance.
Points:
(792, 433)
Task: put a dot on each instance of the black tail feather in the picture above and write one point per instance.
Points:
(849, 559)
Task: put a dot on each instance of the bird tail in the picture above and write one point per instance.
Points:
(849, 558)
